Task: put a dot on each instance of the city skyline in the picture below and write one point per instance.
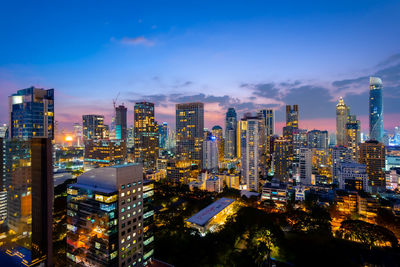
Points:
(192, 53)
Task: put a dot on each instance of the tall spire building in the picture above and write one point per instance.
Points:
(375, 109)
(342, 117)
(230, 133)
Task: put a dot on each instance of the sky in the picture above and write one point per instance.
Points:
(243, 54)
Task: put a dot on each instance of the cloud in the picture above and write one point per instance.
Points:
(140, 40)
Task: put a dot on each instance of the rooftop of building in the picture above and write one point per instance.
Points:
(275, 184)
(205, 215)
(102, 179)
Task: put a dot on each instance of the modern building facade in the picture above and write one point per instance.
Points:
(305, 166)
(292, 116)
(210, 154)
(249, 151)
(105, 217)
(121, 122)
(163, 135)
(93, 127)
(353, 135)
(230, 134)
(353, 177)
(104, 152)
(317, 139)
(372, 154)
(217, 132)
(189, 131)
(268, 117)
(283, 159)
(31, 113)
(146, 135)
(375, 109)
(340, 154)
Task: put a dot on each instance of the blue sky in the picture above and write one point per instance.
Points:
(246, 54)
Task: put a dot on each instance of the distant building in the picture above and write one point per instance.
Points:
(210, 154)
(268, 117)
(106, 217)
(282, 159)
(317, 139)
(372, 154)
(292, 116)
(163, 135)
(214, 184)
(148, 221)
(121, 122)
(189, 131)
(146, 135)
(342, 113)
(217, 132)
(230, 134)
(375, 109)
(305, 165)
(353, 177)
(104, 153)
(353, 135)
(249, 151)
(31, 113)
(340, 155)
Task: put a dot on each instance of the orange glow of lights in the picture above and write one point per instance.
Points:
(68, 138)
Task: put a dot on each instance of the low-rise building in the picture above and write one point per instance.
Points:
(104, 152)
(276, 191)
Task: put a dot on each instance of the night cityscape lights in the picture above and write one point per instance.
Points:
(199, 134)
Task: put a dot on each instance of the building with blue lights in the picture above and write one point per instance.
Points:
(230, 134)
(375, 109)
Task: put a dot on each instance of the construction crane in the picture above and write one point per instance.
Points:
(115, 100)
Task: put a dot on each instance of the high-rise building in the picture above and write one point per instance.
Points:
(372, 154)
(4, 131)
(292, 116)
(217, 132)
(31, 112)
(105, 217)
(189, 131)
(28, 173)
(340, 154)
(283, 159)
(317, 139)
(146, 135)
(210, 153)
(268, 117)
(121, 122)
(230, 134)
(249, 150)
(375, 109)
(163, 133)
(353, 135)
(342, 114)
(93, 127)
(305, 165)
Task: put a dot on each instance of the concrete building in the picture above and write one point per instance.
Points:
(275, 191)
(340, 155)
(317, 139)
(104, 152)
(249, 151)
(210, 154)
(375, 109)
(353, 177)
(282, 159)
(305, 164)
(230, 134)
(342, 114)
(93, 127)
(105, 217)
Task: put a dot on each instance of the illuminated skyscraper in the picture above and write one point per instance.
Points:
(230, 134)
(283, 159)
(31, 112)
(217, 132)
(93, 127)
(342, 114)
(292, 116)
(210, 153)
(105, 217)
(163, 133)
(249, 150)
(372, 154)
(340, 154)
(146, 135)
(268, 117)
(375, 109)
(305, 165)
(353, 135)
(189, 131)
(120, 123)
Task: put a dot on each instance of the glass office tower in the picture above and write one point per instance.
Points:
(375, 109)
